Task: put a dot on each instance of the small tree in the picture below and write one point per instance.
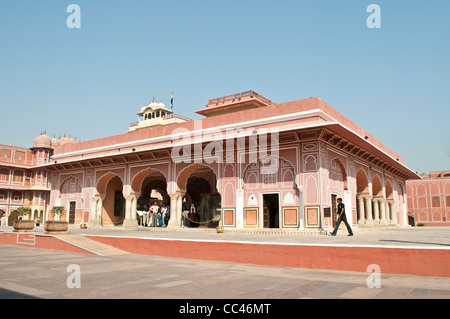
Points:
(23, 211)
(58, 210)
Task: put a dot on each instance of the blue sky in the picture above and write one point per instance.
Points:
(90, 82)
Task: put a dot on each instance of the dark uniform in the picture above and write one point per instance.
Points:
(342, 218)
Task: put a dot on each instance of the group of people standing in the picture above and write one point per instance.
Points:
(154, 215)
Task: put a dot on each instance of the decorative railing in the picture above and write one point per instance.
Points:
(167, 117)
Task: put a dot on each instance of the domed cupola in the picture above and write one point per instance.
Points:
(156, 114)
(42, 141)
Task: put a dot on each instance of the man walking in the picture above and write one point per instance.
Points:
(341, 218)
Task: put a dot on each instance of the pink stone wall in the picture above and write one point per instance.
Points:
(429, 200)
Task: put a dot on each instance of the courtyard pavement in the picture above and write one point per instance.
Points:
(39, 273)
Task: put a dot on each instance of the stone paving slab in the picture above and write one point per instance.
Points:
(148, 277)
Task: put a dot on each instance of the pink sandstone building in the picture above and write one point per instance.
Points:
(429, 199)
(249, 163)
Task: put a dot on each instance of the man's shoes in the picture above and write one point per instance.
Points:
(331, 234)
(350, 235)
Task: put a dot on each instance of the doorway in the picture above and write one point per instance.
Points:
(72, 209)
(271, 211)
(333, 209)
(119, 206)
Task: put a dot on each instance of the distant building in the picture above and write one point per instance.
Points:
(429, 199)
(22, 181)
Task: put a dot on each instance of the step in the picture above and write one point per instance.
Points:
(90, 244)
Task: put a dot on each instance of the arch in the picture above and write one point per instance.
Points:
(421, 189)
(288, 177)
(70, 187)
(228, 170)
(187, 171)
(201, 190)
(434, 188)
(362, 185)
(446, 188)
(388, 189)
(310, 163)
(136, 183)
(436, 216)
(250, 180)
(377, 190)
(103, 183)
(422, 216)
(312, 195)
(153, 187)
(113, 205)
(338, 172)
(259, 162)
(229, 198)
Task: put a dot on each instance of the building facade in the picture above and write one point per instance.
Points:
(429, 199)
(21, 183)
(249, 163)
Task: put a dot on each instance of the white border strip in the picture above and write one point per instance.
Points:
(270, 243)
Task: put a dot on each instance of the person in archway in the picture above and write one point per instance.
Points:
(341, 218)
(193, 216)
(166, 214)
(153, 214)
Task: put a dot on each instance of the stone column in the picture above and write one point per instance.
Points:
(388, 212)
(368, 201)
(95, 216)
(301, 210)
(348, 207)
(393, 213)
(362, 218)
(130, 211)
(239, 208)
(404, 214)
(376, 202)
(93, 210)
(383, 220)
(176, 202)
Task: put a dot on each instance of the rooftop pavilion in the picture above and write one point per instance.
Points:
(233, 103)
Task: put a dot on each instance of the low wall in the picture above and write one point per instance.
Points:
(408, 261)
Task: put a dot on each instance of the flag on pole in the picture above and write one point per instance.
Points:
(171, 102)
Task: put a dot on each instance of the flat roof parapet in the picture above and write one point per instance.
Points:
(235, 102)
(238, 96)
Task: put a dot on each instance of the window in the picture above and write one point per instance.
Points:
(435, 201)
(4, 175)
(18, 177)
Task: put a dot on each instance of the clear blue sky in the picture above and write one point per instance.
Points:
(90, 82)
